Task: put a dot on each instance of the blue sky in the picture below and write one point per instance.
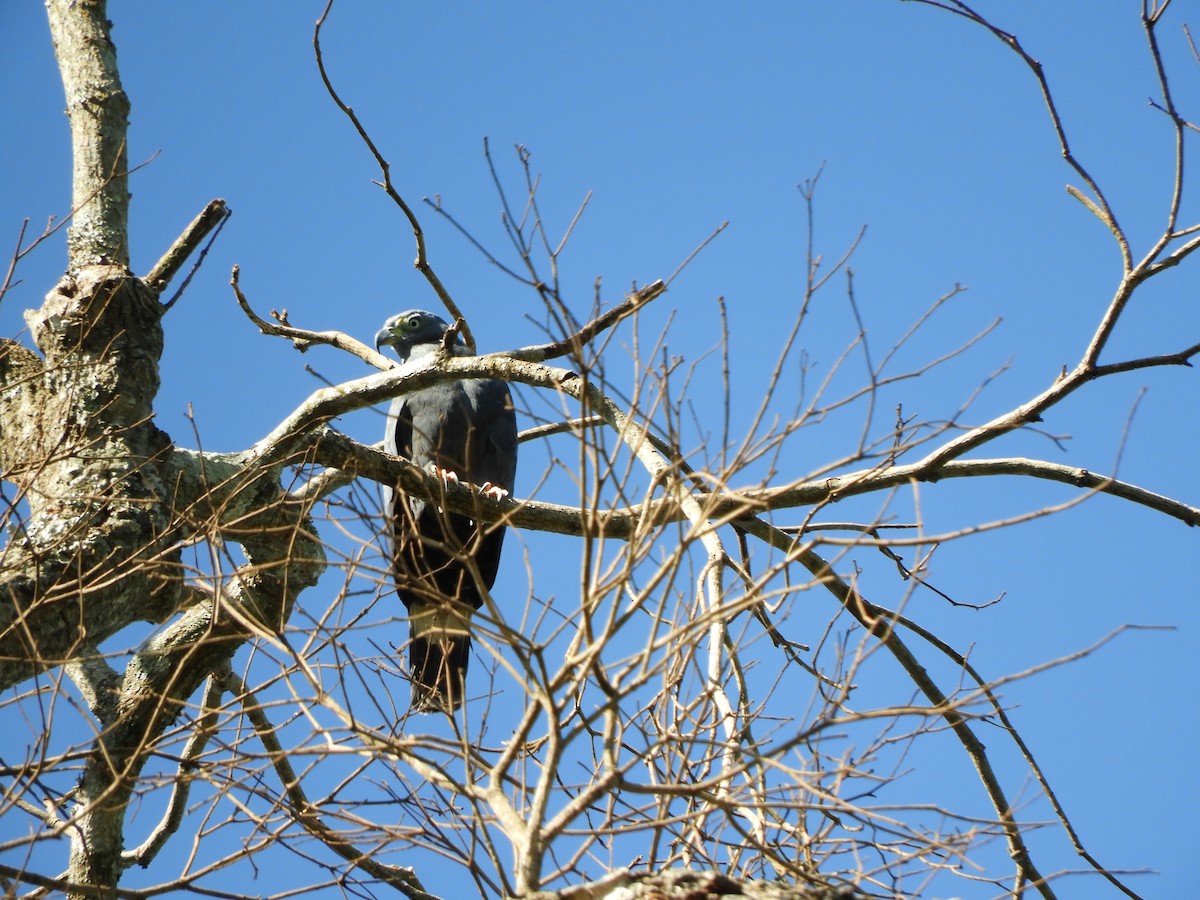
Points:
(678, 117)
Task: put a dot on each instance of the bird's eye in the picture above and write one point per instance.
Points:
(414, 322)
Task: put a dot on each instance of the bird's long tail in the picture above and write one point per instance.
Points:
(438, 653)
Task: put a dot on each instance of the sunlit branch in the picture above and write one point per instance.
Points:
(211, 219)
(302, 338)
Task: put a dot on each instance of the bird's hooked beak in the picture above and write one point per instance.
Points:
(384, 338)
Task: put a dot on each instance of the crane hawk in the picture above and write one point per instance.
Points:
(443, 562)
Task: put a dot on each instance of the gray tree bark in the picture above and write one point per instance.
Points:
(98, 109)
(685, 884)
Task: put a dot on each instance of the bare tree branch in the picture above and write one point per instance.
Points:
(210, 220)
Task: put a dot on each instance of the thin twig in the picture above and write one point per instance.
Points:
(307, 815)
(302, 338)
(181, 786)
(422, 261)
(632, 304)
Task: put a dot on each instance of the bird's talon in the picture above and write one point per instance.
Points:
(447, 475)
(493, 490)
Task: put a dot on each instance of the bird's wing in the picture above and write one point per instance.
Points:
(397, 438)
(492, 455)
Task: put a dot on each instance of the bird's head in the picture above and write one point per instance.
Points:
(409, 330)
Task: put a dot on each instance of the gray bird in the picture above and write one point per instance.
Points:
(443, 562)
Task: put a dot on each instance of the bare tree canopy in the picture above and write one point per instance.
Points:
(825, 577)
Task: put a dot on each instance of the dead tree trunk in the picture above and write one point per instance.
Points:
(110, 500)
